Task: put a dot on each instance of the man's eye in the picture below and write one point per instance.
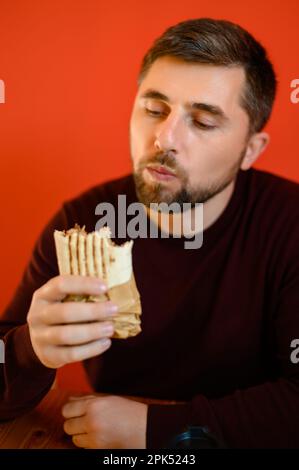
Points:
(204, 126)
(153, 112)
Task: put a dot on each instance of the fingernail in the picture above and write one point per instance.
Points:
(105, 343)
(112, 309)
(102, 287)
(108, 329)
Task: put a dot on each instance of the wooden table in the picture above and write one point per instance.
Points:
(42, 428)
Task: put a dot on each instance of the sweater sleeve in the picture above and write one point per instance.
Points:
(24, 380)
(265, 415)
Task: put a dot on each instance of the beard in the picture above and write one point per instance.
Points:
(156, 192)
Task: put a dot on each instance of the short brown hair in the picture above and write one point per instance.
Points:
(220, 42)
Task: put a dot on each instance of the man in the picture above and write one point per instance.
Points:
(218, 322)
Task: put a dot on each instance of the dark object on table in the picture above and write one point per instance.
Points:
(196, 437)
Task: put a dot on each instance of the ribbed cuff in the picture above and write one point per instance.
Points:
(164, 422)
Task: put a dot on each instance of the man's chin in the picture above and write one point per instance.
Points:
(154, 193)
(147, 200)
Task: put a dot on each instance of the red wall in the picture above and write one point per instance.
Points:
(70, 67)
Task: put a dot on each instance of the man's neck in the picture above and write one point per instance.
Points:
(214, 207)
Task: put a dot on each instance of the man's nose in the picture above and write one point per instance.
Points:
(168, 136)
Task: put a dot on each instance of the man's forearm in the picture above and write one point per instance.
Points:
(24, 380)
(264, 416)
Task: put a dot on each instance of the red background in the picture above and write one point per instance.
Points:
(70, 70)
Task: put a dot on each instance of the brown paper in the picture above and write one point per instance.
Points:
(126, 296)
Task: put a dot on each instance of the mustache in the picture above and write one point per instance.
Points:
(164, 159)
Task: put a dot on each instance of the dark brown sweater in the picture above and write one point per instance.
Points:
(217, 322)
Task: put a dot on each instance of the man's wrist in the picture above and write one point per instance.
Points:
(163, 423)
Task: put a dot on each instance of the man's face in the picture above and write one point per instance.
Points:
(188, 132)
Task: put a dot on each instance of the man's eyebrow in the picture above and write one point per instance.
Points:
(212, 109)
(209, 108)
(155, 95)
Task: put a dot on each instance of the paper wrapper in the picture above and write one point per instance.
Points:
(94, 254)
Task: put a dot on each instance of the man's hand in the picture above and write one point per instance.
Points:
(108, 422)
(64, 332)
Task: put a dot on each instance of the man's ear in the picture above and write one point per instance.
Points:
(255, 147)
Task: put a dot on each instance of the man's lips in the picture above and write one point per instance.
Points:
(161, 173)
